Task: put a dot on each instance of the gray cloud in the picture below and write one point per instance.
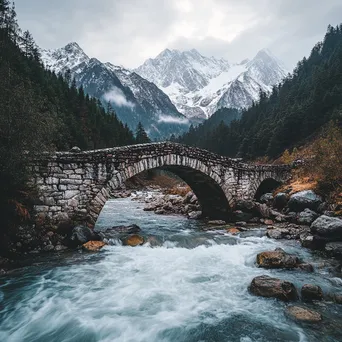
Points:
(129, 31)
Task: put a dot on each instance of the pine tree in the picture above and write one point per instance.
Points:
(141, 136)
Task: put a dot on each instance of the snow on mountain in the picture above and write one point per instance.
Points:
(199, 86)
(133, 97)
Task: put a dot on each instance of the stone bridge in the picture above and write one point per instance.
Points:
(76, 185)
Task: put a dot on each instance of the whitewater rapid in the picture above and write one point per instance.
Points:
(191, 286)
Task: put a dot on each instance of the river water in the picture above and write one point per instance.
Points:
(188, 284)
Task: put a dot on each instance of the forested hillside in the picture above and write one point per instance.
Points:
(41, 111)
(295, 110)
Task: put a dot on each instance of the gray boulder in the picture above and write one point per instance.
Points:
(307, 217)
(304, 199)
(195, 215)
(311, 292)
(312, 241)
(266, 198)
(266, 286)
(334, 249)
(280, 200)
(81, 235)
(114, 232)
(328, 227)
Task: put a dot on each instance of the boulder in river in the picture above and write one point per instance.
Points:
(304, 199)
(328, 227)
(277, 259)
(334, 249)
(133, 240)
(298, 313)
(266, 286)
(312, 241)
(114, 232)
(195, 215)
(307, 217)
(311, 292)
(280, 200)
(93, 246)
(337, 297)
(81, 235)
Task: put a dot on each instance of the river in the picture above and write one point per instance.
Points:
(189, 284)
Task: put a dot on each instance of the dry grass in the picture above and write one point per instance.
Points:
(297, 184)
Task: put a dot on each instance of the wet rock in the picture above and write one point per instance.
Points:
(276, 234)
(266, 198)
(266, 286)
(133, 240)
(311, 292)
(81, 235)
(312, 242)
(334, 249)
(217, 222)
(280, 200)
(304, 199)
(114, 232)
(160, 211)
(301, 314)
(195, 215)
(254, 220)
(277, 259)
(233, 231)
(306, 267)
(241, 223)
(337, 298)
(329, 227)
(93, 246)
(150, 207)
(307, 217)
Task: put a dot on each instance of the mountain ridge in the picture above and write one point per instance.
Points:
(199, 85)
(134, 98)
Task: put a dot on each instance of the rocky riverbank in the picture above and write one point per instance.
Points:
(308, 308)
(303, 216)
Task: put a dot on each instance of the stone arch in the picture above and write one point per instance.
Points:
(264, 185)
(204, 180)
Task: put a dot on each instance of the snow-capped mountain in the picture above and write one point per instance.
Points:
(133, 97)
(199, 86)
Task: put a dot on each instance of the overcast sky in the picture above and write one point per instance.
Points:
(127, 32)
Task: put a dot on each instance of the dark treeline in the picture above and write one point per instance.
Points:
(295, 110)
(41, 111)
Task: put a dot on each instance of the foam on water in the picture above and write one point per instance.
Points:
(164, 293)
